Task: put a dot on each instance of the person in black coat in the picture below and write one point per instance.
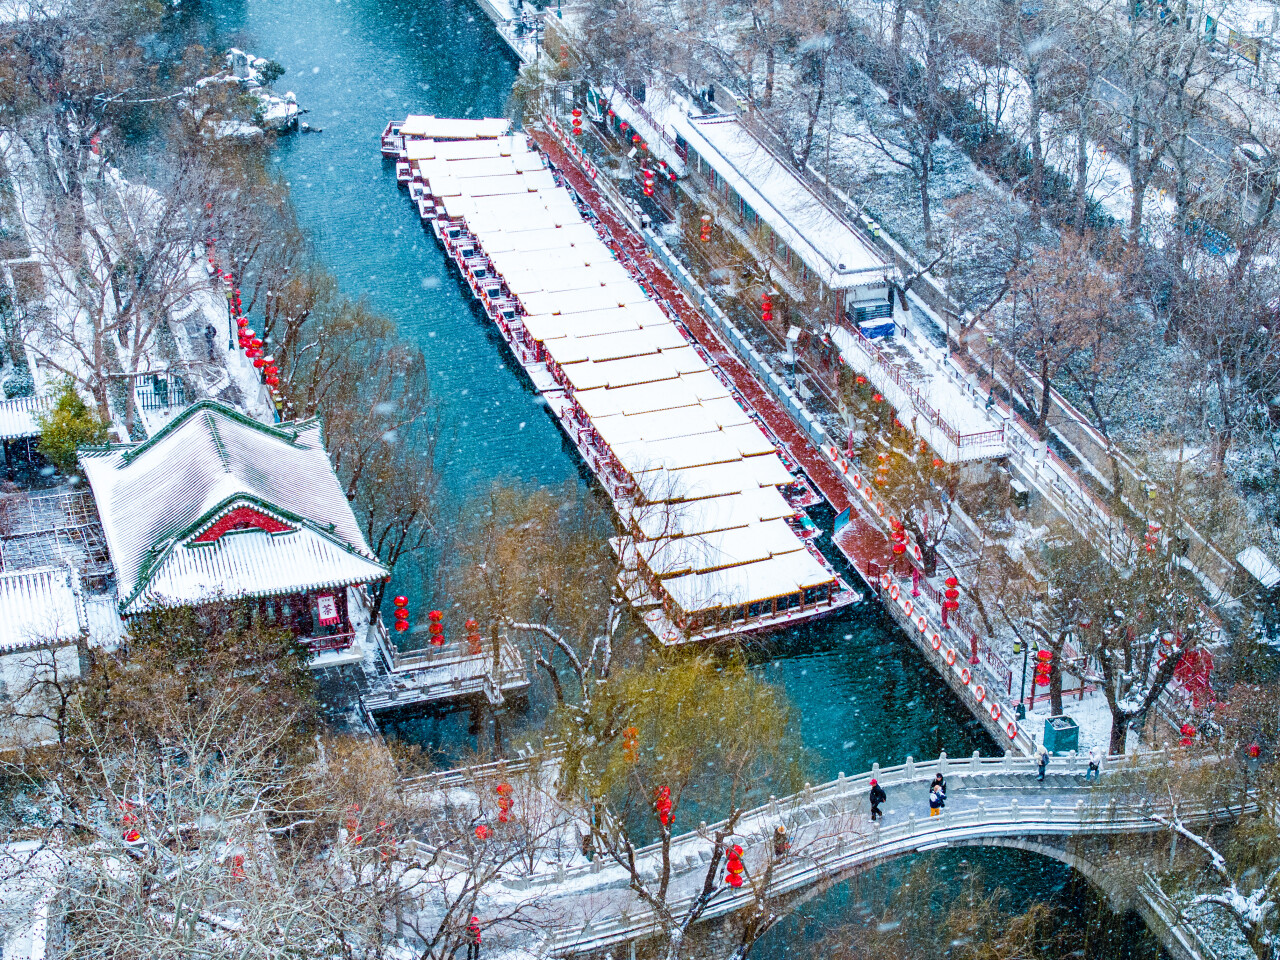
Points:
(878, 796)
(940, 782)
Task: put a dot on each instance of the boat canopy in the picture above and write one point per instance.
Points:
(450, 128)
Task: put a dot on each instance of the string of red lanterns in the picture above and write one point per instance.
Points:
(505, 802)
(734, 867)
(577, 122)
(436, 628)
(662, 804)
(766, 308)
(473, 636)
(401, 613)
(705, 235)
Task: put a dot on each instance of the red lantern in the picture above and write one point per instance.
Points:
(860, 380)
(624, 126)
(273, 381)
(402, 601)
(402, 626)
(435, 616)
(576, 111)
(937, 463)
(635, 138)
(878, 398)
(401, 613)
(662, 804)
(259, 362)
(1254, 751)
(473, 637)
(242, 322)
(577, 131)
(483, 832)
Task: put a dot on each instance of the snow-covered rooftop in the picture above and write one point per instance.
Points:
(161, 503)
(451, 128)
(1262, 569)
(835, 252)
(40, 606)
(18, 417)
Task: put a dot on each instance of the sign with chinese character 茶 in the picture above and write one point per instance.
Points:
(327, 605)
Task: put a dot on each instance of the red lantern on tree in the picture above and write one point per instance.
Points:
(734, 867)
(473, 637)
(705, 234)
(860, 380)
(1254, 751)
(483, 832)
(877, 397)
(662, 804)
(631, 745)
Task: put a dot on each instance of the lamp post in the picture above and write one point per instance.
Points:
(1025, 649)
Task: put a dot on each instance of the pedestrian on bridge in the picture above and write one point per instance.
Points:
(940, 782)
(1043, 755)
(878, 796)
(935, 802)
(1095, 764)
(780, 842)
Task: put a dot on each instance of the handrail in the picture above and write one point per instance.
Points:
(836, 855)
(910, 771)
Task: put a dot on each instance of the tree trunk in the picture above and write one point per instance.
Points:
(770, 65)
(926, 214)
(1042, 415)
(1037, 147)
(1082, 166)
(895, 41)
(803, 160)
(1119, 734)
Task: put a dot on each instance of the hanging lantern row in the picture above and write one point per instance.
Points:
(473, 637)
(352, 824)
(631, 745)
(766, 308)
(1188, 735)
(473, 930)
(401, 613)
(436, 628)
(1044, 667)
(577, 122)
(662, 804)
(505, 803)
(952, 594)
(1152, 538)
(734, 867)
(705, 235)
(237, 867)
(899, 538)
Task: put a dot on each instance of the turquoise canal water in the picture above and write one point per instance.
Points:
(860, 692)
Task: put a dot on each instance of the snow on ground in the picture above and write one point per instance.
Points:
(923, 367)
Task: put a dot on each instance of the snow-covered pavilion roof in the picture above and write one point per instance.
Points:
(40, 606)
(833, 250)
(219, 506)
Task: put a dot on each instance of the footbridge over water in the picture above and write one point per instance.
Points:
(990, 802)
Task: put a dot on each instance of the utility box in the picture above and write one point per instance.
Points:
(1061, 735)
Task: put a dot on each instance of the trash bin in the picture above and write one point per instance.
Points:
(1061, 735)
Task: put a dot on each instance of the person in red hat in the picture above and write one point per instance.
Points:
(878, 796)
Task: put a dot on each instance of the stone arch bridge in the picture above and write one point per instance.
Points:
(990, 802)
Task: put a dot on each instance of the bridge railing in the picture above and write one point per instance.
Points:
(833, 858)
(843, 791)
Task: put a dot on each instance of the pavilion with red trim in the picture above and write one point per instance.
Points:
(217, 506)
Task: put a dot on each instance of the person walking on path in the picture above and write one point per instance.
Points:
(1095, 763)
(780, 842)
(1043, 755)
(940, 782)
(878, 796)
(935, 802)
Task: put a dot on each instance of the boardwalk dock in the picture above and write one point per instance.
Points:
(443, 676)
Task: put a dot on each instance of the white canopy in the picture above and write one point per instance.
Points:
(451, 128)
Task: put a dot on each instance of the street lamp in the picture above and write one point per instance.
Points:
(1020, 711)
